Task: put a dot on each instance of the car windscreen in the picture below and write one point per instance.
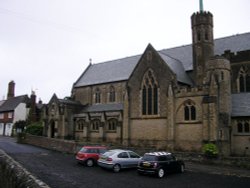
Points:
(149, 157)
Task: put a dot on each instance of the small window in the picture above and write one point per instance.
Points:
(95, 125)
(1, 115)
(112, 124)
(112, 94)
(246, 127)
(10, 115)
(240, 127)
(97, 96)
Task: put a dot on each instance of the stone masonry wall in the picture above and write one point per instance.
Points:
(13, 175)
(51, 143)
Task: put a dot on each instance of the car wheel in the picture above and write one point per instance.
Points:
(90, 162)
(182, 168)
(117, 168)
(160, 173)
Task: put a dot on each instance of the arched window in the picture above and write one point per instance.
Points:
(97, 95)
(189, 111)
(95, 125)
(240, 128)
(112, 94)
(80, 125)
(149, 94)
(246, 127)
(244, 80)
(112, 124)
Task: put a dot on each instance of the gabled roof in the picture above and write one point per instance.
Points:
(11, 103)
(111, 71)
(177, 58)
(241, 105)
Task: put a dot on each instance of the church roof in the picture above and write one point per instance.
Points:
(241, 104)
(179, 60)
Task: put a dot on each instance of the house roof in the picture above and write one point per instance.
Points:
(241, 104)
(179, 60)
(11, 103)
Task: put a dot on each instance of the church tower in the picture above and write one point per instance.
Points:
(203, 42)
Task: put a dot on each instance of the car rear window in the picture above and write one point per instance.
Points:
(149, 158)
(109, 153)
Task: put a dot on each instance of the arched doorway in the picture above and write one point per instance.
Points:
(52, 129)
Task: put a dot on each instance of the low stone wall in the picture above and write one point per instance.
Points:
(50, 143)
(13, 175)
(73, 147)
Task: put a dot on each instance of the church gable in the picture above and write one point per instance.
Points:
(148, 83)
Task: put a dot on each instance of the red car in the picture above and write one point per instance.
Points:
(89, 155)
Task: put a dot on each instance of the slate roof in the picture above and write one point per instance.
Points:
(12, 103)
(179, 60)
(103, 107)
(241, 105)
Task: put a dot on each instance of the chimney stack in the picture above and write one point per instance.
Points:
(11, 90)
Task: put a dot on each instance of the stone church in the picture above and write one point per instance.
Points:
(174, 99)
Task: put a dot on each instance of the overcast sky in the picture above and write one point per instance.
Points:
(45, 45)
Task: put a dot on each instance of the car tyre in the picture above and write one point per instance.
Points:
(160, 173)
(116, 168)
(90, 162)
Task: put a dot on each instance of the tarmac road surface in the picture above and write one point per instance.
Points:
(60, 170)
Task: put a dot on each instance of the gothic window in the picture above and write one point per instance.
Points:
(244, 81)
(240, 128)
(189, 111)
(97, 95)
(243, 127)
(95, 125)
(80, 125)
(112, 124)
(112, 94)
(149, 94)
(246, 127)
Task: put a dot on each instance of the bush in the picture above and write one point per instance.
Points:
(210, 150)
(35, 129)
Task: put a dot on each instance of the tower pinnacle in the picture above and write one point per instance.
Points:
(201, 6)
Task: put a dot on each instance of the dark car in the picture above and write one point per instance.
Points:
(159, 163)
(89, 155)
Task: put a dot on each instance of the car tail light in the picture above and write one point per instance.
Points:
(109, 159)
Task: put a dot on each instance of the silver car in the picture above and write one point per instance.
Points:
(118, 159)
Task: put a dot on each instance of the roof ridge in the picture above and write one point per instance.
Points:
(234, 35)
(109, 61)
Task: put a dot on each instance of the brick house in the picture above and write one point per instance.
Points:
(174, 99)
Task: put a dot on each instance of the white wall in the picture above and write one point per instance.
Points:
(20, 113)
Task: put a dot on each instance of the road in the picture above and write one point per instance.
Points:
(60, 170)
